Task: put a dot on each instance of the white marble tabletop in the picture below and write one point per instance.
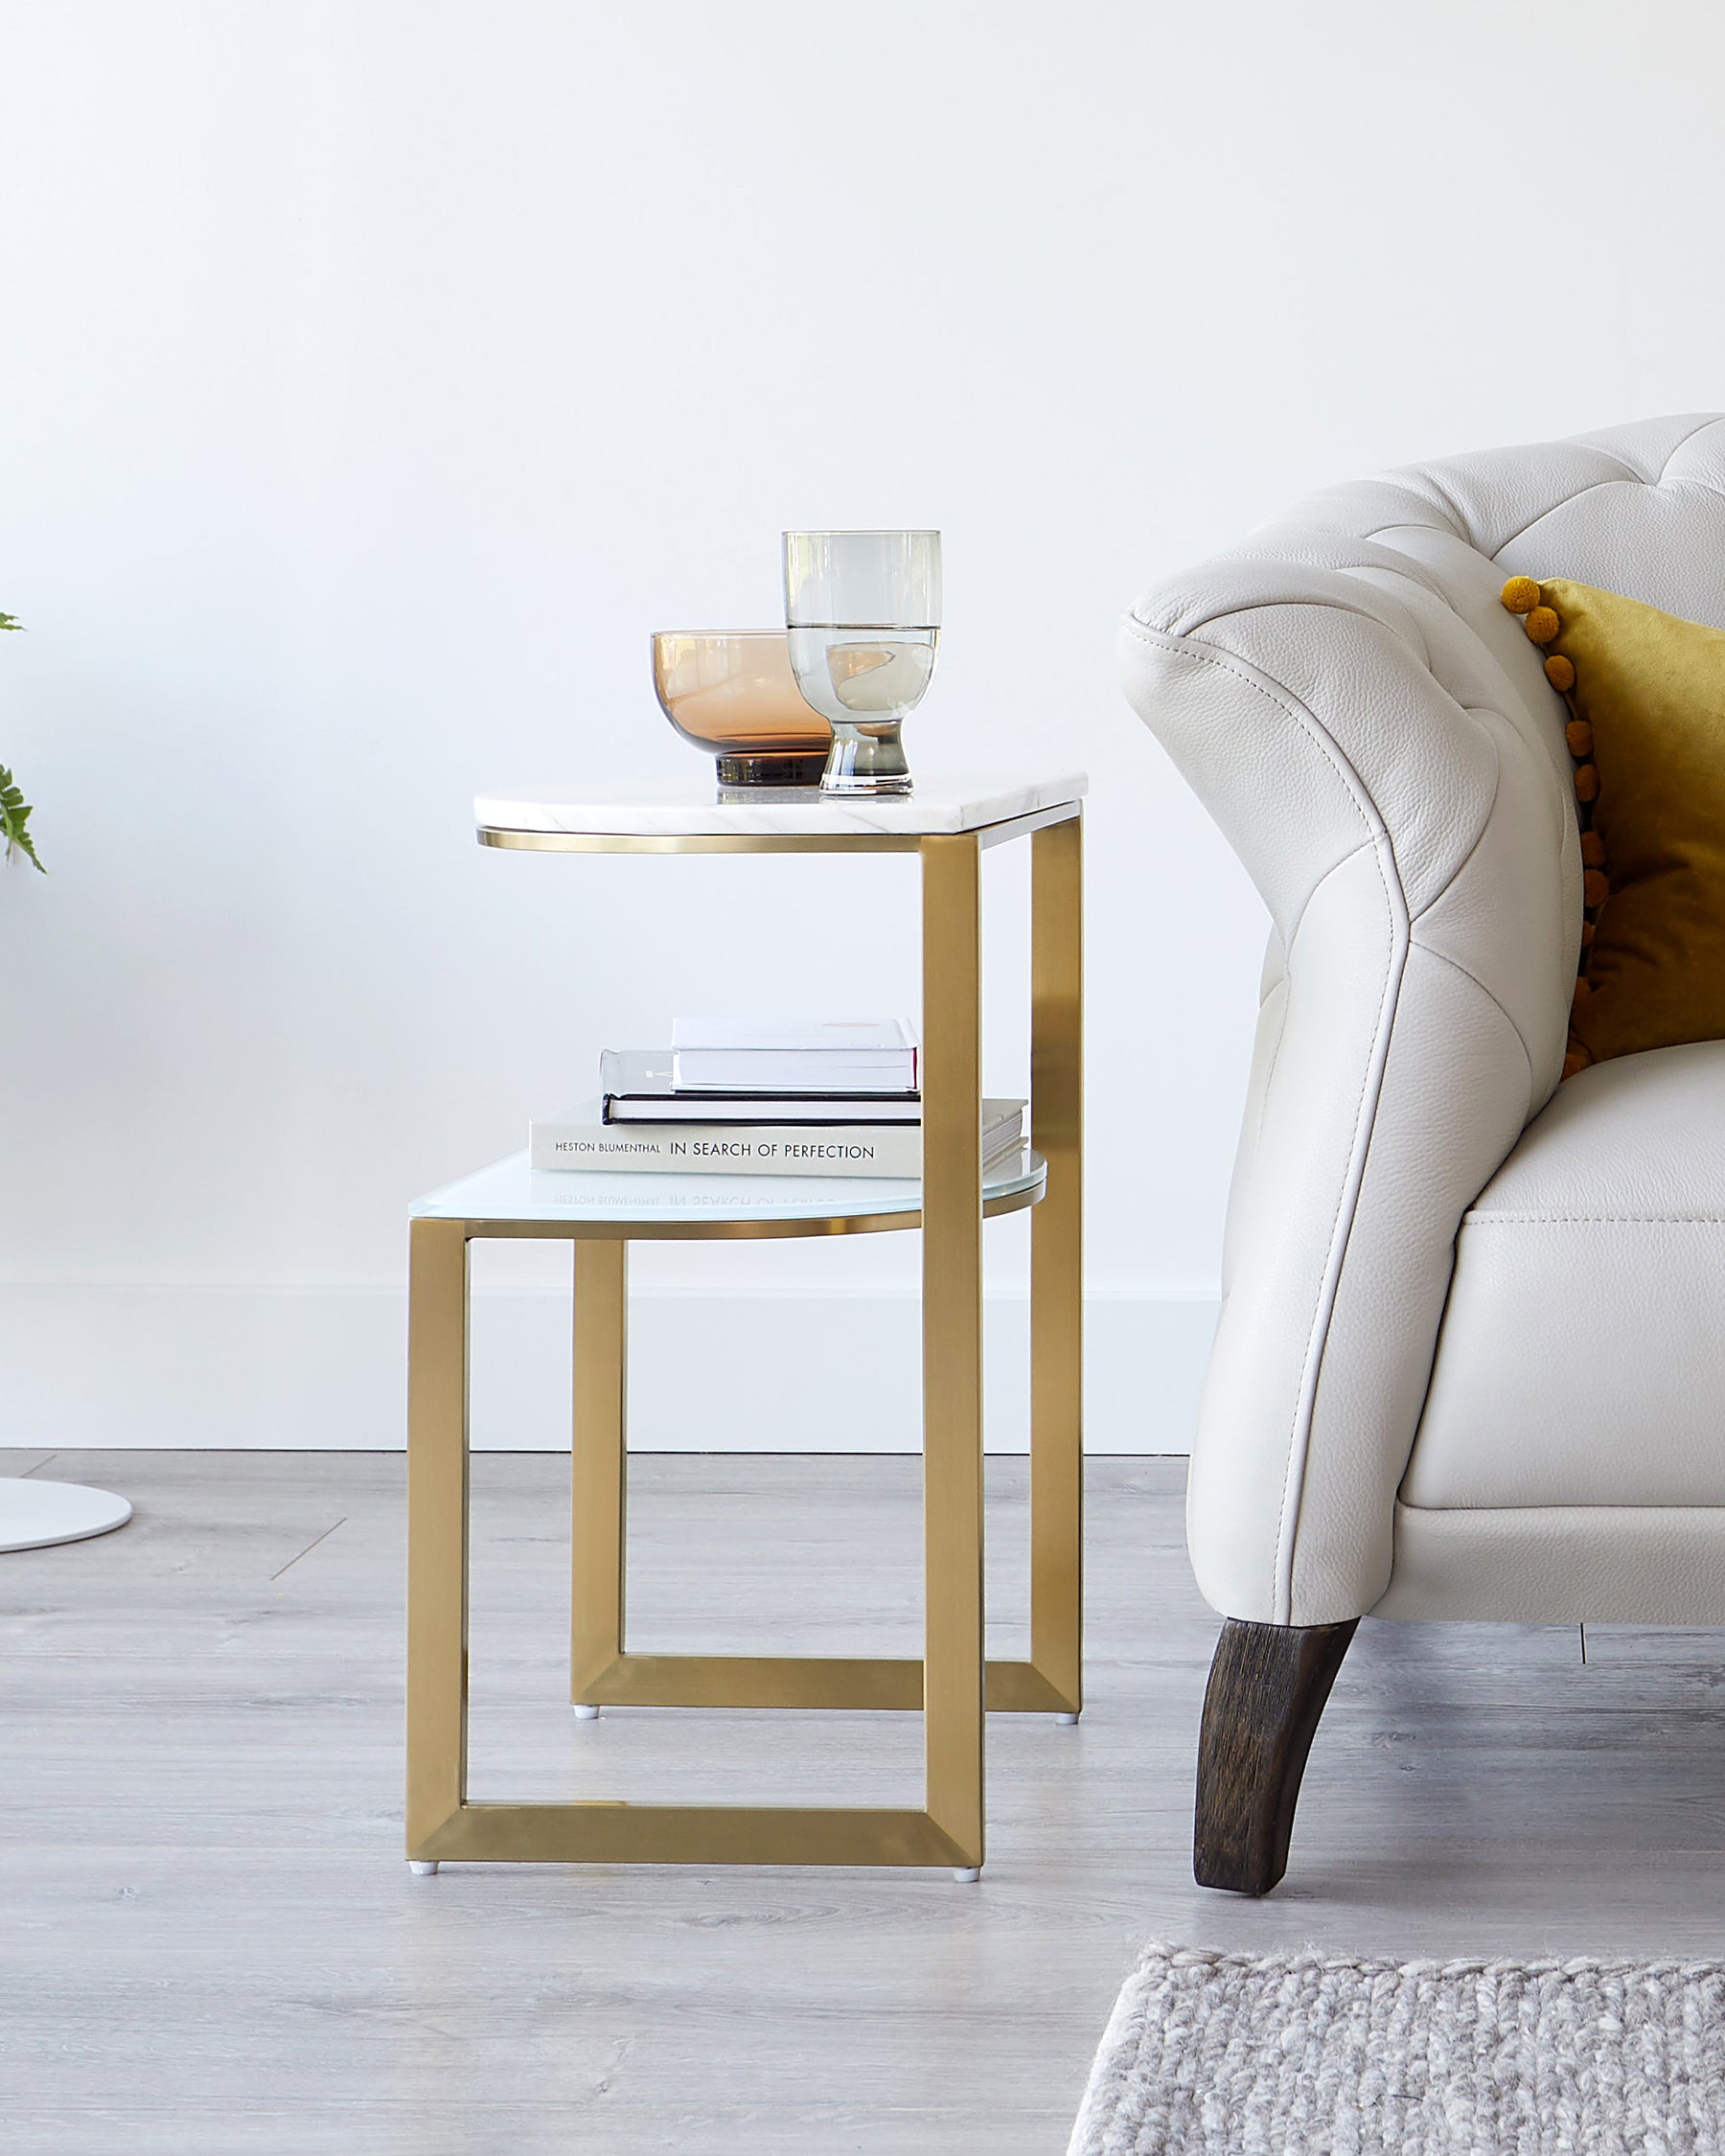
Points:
(509, 1189)
(942, 803)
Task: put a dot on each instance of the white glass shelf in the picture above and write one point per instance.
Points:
(509, 1190)
(941, 803)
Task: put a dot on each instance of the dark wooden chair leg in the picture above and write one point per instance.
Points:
(1268, 1686)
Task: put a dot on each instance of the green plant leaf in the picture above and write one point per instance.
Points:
(14, 809)
(14, 820)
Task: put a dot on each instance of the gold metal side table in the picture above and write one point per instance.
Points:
(948, 828)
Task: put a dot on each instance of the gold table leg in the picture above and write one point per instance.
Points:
(599, 1467)
(1057, 1260)
(437, 1527)
(952, 1332)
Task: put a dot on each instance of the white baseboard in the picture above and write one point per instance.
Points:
(322, 1370)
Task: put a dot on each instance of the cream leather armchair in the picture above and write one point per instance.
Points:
(1471, 1359)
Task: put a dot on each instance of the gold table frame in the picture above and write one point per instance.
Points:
(953, 1684)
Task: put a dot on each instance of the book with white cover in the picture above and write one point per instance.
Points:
(793, 1056)
(637, 1086)
(583, 1139)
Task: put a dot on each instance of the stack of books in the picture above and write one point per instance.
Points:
(739, 1096)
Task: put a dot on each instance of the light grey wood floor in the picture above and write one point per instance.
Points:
(210, 1945)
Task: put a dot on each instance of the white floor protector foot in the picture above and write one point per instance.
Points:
(34, 1515)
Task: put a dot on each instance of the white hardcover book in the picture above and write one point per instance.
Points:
(767, 1055)
(584, 1140)
(637, 1088)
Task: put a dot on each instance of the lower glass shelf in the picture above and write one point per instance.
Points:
(511, 1192)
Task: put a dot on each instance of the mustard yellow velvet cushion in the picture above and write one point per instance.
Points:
(1646, 696)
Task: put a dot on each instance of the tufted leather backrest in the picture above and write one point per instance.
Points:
(1377, 740)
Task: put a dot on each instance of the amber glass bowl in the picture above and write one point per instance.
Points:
(733, 694)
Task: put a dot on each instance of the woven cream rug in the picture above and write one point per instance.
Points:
(1216, 2055)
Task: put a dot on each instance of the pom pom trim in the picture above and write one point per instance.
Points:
(1524, 596)
(1521, 595)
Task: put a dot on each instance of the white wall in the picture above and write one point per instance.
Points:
(377, 376)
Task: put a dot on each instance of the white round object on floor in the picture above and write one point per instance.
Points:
(35, 1515)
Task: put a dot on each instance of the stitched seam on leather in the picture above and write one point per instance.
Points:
(1623, 463)
(1520, 1512)
(1408, 524)
(1456, 966)
(1634, 479)
(1272, 605)
(1474, 710)
(1181, 644)
(1713, 420)
(1467, 973)
(1281, 1033)
(1369, 572)
(1305, 903)
(1469, 711)
(1593, 1220)
(1283, 989)
(1247, 605)
(1631, 478)
(1446, 503)
(1287, 1523)
(1347, 1196)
